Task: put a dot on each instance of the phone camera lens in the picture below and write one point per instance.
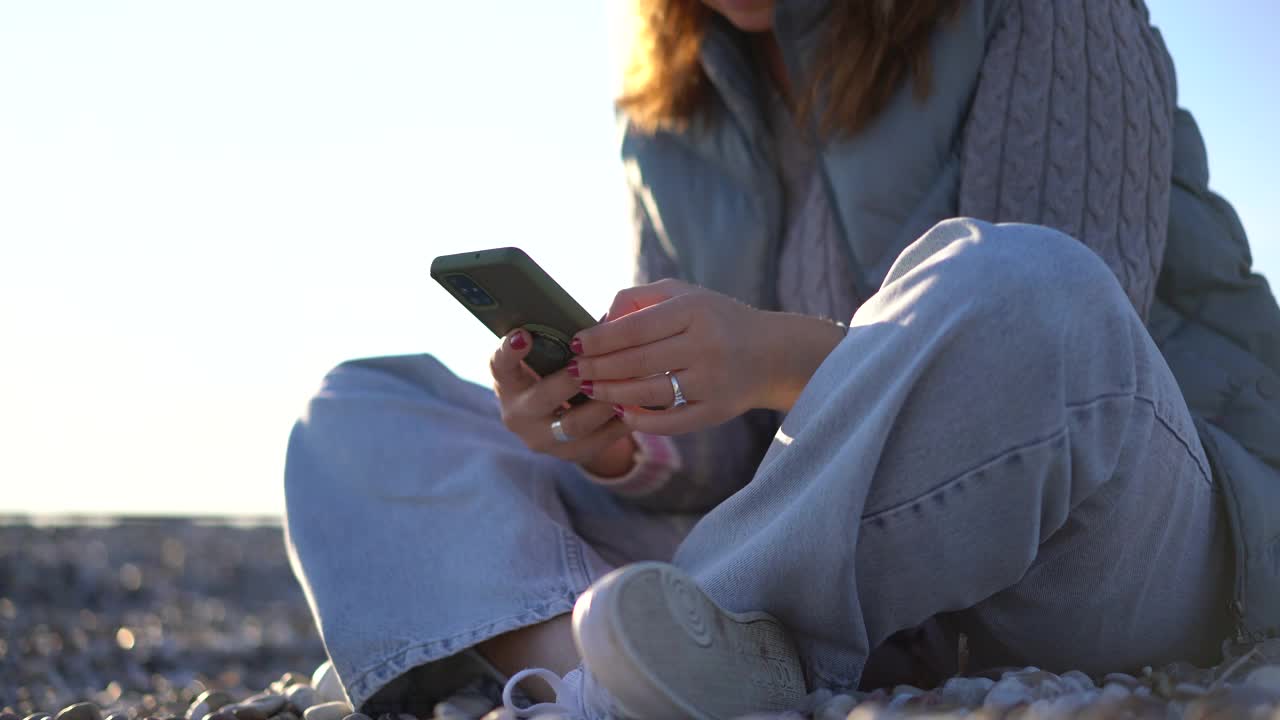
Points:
(469, 290)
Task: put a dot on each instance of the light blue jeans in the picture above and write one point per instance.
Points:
(997, 444)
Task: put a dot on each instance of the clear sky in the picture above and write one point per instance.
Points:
(204, 206)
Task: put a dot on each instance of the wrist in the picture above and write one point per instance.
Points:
(614, 461)
(797, 345)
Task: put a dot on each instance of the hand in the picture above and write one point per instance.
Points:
(727, 356)
(600, 442)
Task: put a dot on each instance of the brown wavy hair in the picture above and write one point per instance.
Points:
(870, 48)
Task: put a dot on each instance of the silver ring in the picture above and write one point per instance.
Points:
(675, 387)
(558, 430)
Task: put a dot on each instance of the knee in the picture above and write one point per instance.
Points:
(347, 407)
(395, 374)
(319, 428)
(1017, 270)
(1041, 265)
(365, 378)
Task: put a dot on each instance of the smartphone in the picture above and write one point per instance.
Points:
(505, 289)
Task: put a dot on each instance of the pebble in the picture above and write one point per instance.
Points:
(1243, 701)
(1266, 677)
(9, 716)
(467, 704)
(208, 702)
(814, 700)
(1184, 692)
(117, 716)
(249, 712)
(300, 697)
(335, 710)
(327, 684)
(266, 704)
(1124, 679)
(1115, 691)
(967, 691)
(837, 708)
(286, 715)
(1081, 681)
(215, 699)
(37, 716)
(1024, 687)
(221, 715)
(1130, 706)
(899, 701)
(501, 713)
(448, 711)
(357, 716)
(79, 711)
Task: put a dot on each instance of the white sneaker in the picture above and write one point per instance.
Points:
(578, 697)
(327, 685)
(653, 645)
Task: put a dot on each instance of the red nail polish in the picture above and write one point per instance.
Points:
(518, 342)
(588, 388)
(576, 346)
(573, 368)
(619, 411)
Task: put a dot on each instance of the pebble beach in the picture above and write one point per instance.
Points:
(178, 618)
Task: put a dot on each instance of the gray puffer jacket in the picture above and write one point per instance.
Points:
(1062, 114)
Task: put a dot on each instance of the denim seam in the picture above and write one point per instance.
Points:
(1168, 425)
(1031, 444)
(574, 560)
(946, 485)
(424, 651)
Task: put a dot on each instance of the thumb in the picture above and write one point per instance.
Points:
(509, 373)
(642, 296)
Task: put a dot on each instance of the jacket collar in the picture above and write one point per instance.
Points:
(727, 59)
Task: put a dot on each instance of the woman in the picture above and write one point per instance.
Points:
(1057, 439)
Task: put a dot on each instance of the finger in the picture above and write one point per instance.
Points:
(598, 441)
(642, 296)
(584, 446)
(547, 395)
(650, 391)
(585, 419)
(648, 325)
(510, 376)
(635, 362)
(674, 421)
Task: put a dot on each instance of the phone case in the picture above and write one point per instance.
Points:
(505, 289)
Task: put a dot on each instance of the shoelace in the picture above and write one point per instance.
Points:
(562, 689)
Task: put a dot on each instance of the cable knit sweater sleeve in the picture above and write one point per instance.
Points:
(1071, 128)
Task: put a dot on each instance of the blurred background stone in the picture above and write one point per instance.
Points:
(182, 619)
(139, 616)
